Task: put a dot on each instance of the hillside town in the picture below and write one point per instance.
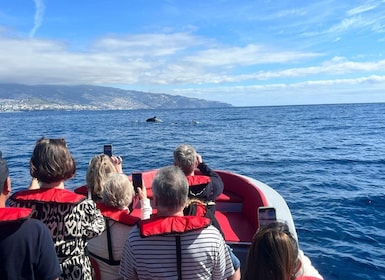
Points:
(11, 105)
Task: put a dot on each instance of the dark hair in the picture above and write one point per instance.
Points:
(4, 172)
(51, 161)
(273, 254)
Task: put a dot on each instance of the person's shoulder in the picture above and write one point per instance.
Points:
(35, 226)
(212, 231)
(34, 223)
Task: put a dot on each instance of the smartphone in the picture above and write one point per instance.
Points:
(137, 181)
(107, 150)
(266, 215)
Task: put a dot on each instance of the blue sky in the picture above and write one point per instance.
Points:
(247, 53)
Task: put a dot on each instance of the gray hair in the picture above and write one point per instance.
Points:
(170, 187)
(185, 157)
(118, 191)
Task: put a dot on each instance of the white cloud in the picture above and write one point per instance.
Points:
(362, 9)
(38, 18)
(248, 55)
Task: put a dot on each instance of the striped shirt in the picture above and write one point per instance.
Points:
(204, 256)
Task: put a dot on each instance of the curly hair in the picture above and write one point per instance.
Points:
(98, 169)
(118, 191)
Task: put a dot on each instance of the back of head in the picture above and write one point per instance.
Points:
(4, 172)
(51, 161)
(185, 157)
(170, 188)
(98, 169)
(118, 191)
(273, 254)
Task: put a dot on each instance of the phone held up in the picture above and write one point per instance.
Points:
(266, 215)
(107, 150)
(137, 181)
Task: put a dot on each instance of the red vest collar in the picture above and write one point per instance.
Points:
(49, 195)
(121, 216)
(198, 180)
(82, 190)
(14, 213)
(176, 224)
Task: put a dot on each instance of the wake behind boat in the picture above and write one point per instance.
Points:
(236, 212)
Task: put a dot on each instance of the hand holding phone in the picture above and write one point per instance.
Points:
(137, 181)
(266, 215)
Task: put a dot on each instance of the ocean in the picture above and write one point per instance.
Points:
(327, 161)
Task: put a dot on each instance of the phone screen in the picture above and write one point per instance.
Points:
(137, 181)
(266, 215)
(107, 150)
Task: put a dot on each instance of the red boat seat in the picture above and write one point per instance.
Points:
(235, 226)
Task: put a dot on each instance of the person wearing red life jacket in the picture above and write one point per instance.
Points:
(71, 218)
(170, 245)
(206, 186)
(106, 249)
(26, 247)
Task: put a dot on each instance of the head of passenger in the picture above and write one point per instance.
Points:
(98, 169)
(118, 191)
(273, 254)
(51, 161)
(4, 173)
(170, 189)
(185, 157)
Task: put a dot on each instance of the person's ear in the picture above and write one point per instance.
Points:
(7, 186)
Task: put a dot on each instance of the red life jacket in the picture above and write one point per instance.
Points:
(160, 225)
(12, 214)
(198, 187)
(117, 215)
(121, 216)
(48, 195)
(82, 190)
(197, 180)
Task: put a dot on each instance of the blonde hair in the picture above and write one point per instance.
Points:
(98, 169)
(118, 191)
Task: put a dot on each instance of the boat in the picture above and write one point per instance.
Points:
(236, 212)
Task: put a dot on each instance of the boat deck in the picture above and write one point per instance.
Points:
(236, 207)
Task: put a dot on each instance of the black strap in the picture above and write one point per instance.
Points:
(107, 261)
(110, 260)
(109, 243)
(179, 256)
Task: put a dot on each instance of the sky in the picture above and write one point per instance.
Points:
(246, 53)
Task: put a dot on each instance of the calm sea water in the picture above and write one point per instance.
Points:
(327, 161)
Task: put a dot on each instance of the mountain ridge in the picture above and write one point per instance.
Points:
(90, 97)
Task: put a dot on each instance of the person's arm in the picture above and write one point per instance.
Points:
(128, 261)
(216, 181)
(117, 161)
(145, 205)
(93, 221)
(48, 267)
(223, 266)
